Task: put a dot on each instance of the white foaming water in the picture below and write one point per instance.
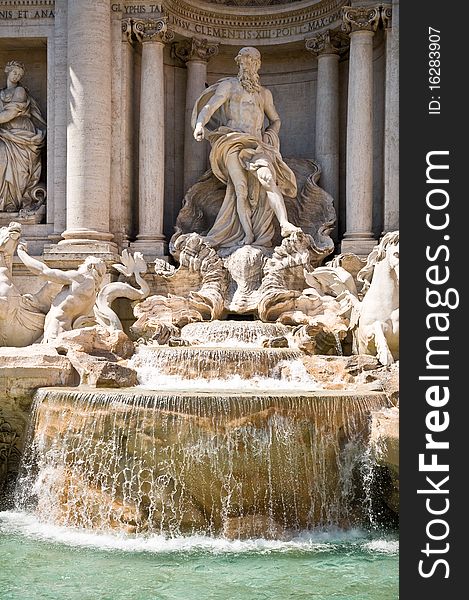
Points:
(230, 342)
(289, 375)
(248, 334)
(98, 474)
(383, 546)
(150, 380)
(27, 525)
(233, 342)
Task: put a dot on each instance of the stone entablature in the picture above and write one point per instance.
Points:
(249, 2)
(260, 25)
(26, 10)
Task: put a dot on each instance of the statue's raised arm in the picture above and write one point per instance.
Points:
(213, 104)
(77, 296)
(39, 268)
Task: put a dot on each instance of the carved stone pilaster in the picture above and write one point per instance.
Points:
(197, 49)
(331, 41)
(386, 16)
(358, 18)
(152, 30)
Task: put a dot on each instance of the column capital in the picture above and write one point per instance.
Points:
(197, 49)
(127, 30)
(332, 41)
(360, 18)
(386, 16)
(152, 30)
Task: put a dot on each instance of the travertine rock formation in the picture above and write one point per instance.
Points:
(385, 447)
(22, 372)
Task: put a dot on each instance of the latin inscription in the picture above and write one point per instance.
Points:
(219, 32)
(253, 34)
(229, 32)
(11, 15)
(138, 9)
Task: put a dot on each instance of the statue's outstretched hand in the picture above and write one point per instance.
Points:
(199, 132)
(22, 245)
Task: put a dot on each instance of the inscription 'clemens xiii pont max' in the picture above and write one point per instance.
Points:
(231, 31)
(253, 34)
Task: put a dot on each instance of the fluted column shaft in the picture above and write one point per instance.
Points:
(150, 238)
(89, 122)
(327, 122)
(195, 53)
(127, 133)
(358, 238)
(59, 135)
(151, 143)
(194, 157)
(327, 47)
(391, 119)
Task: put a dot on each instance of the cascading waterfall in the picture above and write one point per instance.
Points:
(214, 363)
(226, 355)
(244, 465)
(221, 332)
(168, 457)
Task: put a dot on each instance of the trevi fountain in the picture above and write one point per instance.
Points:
(199, 300)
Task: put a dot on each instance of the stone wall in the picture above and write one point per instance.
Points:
(20, 376)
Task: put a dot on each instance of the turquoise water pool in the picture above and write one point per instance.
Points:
(39, 561)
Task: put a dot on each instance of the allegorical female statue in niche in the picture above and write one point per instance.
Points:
(22, 134)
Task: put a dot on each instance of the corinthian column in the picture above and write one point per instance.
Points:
(391, 119)
(327, 47)
(89, 124)
(127, 133)
(195, 53)
(153, 34)
(361, 23)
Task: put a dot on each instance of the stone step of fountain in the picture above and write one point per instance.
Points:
(189, 363)
(157, 462)
(221, 407)
(223, 332)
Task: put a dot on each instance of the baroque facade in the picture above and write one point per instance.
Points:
(116, 83)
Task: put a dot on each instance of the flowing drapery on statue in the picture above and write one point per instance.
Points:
(20, 143)
(230, 114)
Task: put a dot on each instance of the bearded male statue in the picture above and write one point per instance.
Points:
(245, 157)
